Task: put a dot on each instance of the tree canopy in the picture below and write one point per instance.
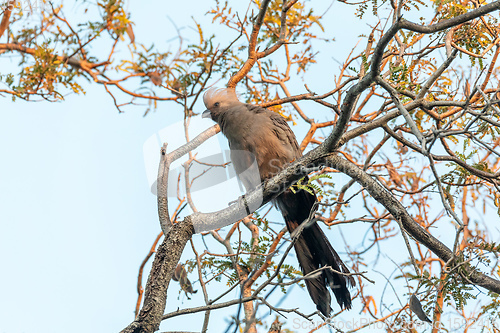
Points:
(400, 140)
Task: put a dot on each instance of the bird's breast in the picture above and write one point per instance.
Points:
(256, 134)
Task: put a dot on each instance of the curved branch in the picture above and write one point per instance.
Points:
(445, 24)
(164, 264)
(86, 67)
(164, 168)
(353, 94)
(252, 53)
(380, 194)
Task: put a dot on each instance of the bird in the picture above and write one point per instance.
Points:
(271, 145)
(416, 307)
(180, 275)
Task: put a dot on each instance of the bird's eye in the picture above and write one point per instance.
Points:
(216, 104)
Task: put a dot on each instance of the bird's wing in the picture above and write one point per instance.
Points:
(280, 129)
(285, 133)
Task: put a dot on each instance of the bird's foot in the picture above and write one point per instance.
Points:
(241, 201)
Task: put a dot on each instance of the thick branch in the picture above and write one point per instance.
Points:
(380, 194)
(353, 94)
(166, 258)
(445, 24)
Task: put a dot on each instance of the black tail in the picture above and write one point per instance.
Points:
(315, 251)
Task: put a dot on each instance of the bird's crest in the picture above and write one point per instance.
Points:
(221, 95)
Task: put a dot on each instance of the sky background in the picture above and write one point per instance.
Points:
(77, 216)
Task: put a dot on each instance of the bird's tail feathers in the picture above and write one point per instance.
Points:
(314, 251)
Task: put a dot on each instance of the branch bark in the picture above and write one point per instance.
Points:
(166, 259)
(252, 44)
(178, 235)
(380, 194)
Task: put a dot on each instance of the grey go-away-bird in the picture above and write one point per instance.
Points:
(272, 145)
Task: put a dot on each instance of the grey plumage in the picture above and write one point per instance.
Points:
(271, 145)
(416, 307)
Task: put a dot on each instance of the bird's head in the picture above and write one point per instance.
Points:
(218, 102)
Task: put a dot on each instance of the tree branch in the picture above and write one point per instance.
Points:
(164, 264)
(6, 16)
(445, 24)
(252, 44)
(380, 194)
(177, 235)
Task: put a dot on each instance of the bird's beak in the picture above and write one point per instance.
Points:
(206, 114)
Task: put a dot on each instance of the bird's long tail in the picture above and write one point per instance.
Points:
(315, 251)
